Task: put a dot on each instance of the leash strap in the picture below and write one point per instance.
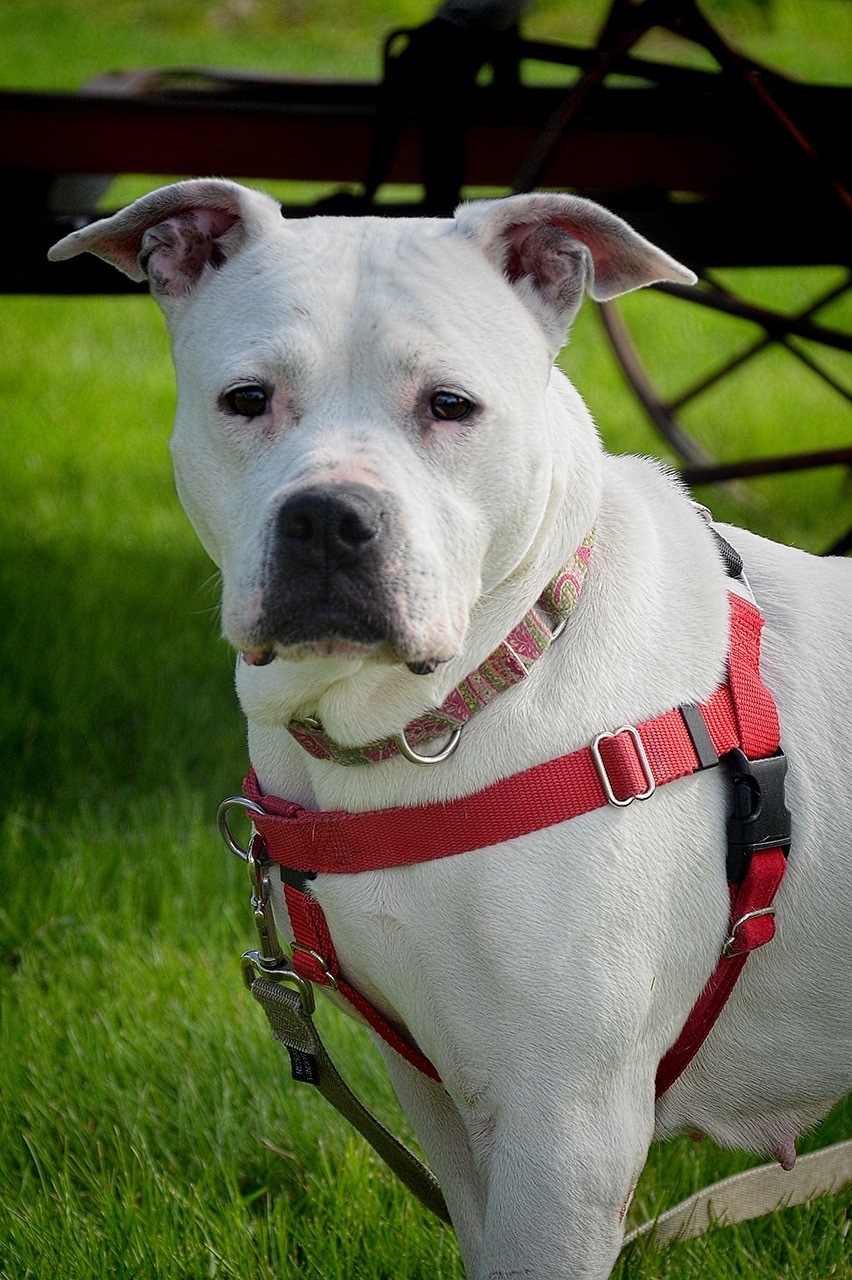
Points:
(292, 1025)
(752, 1194)
(288, 1002)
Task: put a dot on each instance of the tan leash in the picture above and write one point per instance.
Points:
(752, 1194)
(287, 999)
(294, 1027)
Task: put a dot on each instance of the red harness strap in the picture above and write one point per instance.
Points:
(740, 718)
(314, 958)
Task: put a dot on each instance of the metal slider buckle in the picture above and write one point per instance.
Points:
(728, 947)
(318, 960)
(644, 764)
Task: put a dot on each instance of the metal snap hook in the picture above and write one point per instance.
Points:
(234, 802)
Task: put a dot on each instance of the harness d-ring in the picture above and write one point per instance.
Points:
(234, 802)
(414, 757)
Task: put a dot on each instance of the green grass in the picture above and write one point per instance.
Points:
(148, 1127)
(59, 44)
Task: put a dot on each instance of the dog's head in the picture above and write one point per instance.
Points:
(369, 435)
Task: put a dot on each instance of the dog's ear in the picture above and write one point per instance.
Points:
(173, 235)
(553, 247)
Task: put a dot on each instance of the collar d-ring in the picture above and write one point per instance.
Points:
(414, 757)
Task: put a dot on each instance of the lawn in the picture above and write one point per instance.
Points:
(148, 1126)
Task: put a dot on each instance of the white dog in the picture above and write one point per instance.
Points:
(375, 448)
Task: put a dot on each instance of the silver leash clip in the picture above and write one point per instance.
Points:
(258, 862)
(269, 961)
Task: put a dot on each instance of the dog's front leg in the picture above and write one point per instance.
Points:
(540, 1189)
(562, 1172)
(444, 1138)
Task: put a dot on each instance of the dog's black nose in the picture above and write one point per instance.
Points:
(336, 525)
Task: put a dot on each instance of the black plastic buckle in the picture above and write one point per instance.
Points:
(296, 879)
(760, 817)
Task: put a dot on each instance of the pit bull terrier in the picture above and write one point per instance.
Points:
(374, 446)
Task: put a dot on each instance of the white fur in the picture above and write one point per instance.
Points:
(545, 977)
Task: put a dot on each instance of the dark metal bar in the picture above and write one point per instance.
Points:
(761, 344)
(715, 473)
(541, 154)
(774, 322)
(817, 369)
(634, 140)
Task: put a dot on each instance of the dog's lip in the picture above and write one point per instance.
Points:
(257, 657)
(335, 649)
(331, 648)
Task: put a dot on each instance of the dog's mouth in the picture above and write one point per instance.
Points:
(335, 649)
(340, 632)
(347, 621)
(258, 657)
(330, 648)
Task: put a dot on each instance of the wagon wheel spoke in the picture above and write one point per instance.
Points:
(699, 467)
(769, 337)
(817, 369)
(773, 322)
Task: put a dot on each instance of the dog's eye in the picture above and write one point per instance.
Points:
(448, 406)
(247, 402)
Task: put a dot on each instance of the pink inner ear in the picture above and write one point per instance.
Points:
(549, 254)
(616, 258)
(603, 248)
(213, 222)
(175, 252)
(516, 261)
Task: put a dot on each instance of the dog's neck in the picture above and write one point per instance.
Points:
(360, 700)
(508, 665)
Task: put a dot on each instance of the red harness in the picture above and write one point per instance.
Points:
(739, 722)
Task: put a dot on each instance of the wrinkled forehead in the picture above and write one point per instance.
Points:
(323, 286)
